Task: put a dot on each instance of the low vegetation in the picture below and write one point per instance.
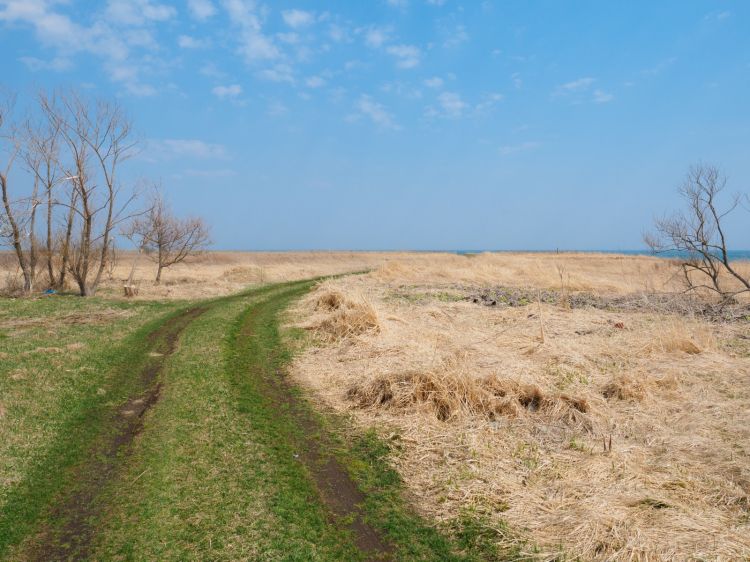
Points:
(603, 419)
(504, 406)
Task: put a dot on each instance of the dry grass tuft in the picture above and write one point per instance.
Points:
(343, 317)
(683, 337)
(450, 392)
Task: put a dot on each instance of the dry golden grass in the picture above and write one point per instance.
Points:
(512, 409)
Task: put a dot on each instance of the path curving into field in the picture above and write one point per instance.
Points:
(265, 405)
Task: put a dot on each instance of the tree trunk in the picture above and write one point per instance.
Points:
(50, 249)
(158, 273)
(16, 233)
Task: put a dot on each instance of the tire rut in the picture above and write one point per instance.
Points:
(77, 509)
(338, 492)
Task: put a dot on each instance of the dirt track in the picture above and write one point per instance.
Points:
(74, 514)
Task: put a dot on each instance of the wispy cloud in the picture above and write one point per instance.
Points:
(224, 92)
(579, 85)
(376, 37)
(315, 82)
(719, 16)
(407, 56)
(401, 4)
(660, 67)
(600, 96)
(201, 9)
(297, 19)
(254, 44)
(452, 104)
(580, 91)
(188, 42)
(376, 112)
(456, 37)
(510, 149)
(137, 12)
(435, 82)
(56, 64)
(186, 148)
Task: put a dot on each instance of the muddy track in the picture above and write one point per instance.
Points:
(338, 492)
(77, 510)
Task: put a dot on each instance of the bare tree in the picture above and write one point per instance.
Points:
(17, 214)
(697, 235)
(98, 136)
(167, 238)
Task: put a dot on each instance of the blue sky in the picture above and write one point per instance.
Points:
(422, 124)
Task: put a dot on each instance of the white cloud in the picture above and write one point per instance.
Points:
(452, 105)
(376, 113)
(57, 64)
(201, 9)
(298, 18)
(277, 109)
(137, 12)
(401, 4)
(400, 89)
(254, 44)
(315, 82)
(457, 37)
(376, 37)
(278, 73)
(290, 38)
(187, 148)
(517, 81)
(601, 96)
(407, 56)
(660, 66)
(223, 92)
(507, 150)
(579, 91)
(338, 33)
(220, 173)
(188, 42)
(579, 85)
(112, 36)
(488, 102)
(435, 82)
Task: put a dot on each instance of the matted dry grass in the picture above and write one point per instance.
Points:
(512, 410)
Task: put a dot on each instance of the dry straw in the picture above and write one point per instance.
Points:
(624, 436)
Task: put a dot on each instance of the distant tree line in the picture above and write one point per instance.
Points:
(64, 200)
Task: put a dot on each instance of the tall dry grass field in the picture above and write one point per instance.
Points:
(578, 398)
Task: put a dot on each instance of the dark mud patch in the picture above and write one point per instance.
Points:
(338, 492)
(75, 513)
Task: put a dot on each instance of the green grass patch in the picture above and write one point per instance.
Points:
(64, 366)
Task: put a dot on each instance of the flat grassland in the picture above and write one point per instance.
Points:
(580, 403)
(577, 405)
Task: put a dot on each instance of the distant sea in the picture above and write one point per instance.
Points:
(733, 254)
